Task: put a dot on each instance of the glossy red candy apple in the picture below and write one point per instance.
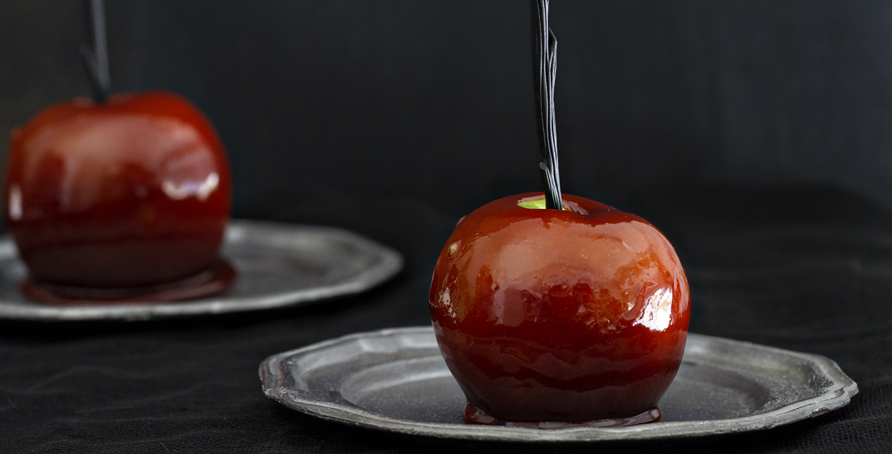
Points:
(549, 315)
(131, 192)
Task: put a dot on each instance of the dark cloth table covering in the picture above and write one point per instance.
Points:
(801, 268)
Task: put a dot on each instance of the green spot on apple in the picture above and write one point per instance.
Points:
(538, 204)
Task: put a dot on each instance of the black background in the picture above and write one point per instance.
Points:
(755, 134)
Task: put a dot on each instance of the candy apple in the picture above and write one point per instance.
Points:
(572, 315)
(130, 192)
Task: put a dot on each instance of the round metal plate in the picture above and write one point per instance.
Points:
(278, 265)
(396, 380)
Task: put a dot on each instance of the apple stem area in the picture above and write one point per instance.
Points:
(544, 73)
(96, 58)
(538, 204)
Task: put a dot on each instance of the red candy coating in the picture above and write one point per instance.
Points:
(132, 192)
(548, 315)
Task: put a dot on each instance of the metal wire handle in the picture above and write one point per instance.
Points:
(544, 73)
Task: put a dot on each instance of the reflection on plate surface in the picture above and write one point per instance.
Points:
(278, 265)
(396, 380)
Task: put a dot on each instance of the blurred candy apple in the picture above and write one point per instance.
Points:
(575, 315)
(130, 192)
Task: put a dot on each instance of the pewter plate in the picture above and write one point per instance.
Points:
(396, 380)
(278, 265)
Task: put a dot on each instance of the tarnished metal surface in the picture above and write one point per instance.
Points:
(396, 380)
(278, 265)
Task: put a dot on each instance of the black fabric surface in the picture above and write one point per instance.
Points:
(808, 269)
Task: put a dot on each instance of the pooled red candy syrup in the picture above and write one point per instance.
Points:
(551, 318)
(122, 200)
